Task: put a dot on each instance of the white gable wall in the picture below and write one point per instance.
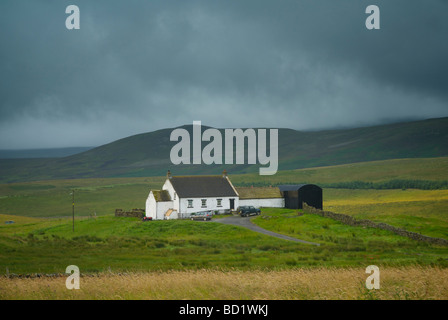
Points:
(169, 187)
(151, 206)
(174, 196)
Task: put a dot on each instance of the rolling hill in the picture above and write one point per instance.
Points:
(148, 154)
(41, 153)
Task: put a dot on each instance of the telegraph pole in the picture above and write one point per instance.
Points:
(73, 209)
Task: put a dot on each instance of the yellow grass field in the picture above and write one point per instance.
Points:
(413, 283)
(422, 211)
(340, 197)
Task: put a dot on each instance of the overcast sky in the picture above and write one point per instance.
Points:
(139, 66)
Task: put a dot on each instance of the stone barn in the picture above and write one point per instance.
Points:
(295, 195)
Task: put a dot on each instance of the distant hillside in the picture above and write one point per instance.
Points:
(148, 154)
(41, 153)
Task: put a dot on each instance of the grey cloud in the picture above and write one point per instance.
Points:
(144, 65)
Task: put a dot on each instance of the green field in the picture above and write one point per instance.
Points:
(92, 196)
(51, 198)
(432, 169)
(128, 244)
(42, 240)
(421, 211)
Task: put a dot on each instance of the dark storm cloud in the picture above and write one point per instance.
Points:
(137, 66)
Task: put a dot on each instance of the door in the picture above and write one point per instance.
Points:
(232, 204)
(287, 202)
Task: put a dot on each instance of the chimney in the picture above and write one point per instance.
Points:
(224, 174)
(168, 174)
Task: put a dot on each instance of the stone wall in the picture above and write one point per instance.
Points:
(349, 220)
(136, 213)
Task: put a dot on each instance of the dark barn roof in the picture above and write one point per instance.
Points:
(202, 186)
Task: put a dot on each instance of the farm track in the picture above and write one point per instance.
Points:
(247, 223)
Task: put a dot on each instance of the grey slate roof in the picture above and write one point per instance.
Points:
(202, 186)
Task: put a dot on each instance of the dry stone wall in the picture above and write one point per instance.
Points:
(349, 220)
(136, 213)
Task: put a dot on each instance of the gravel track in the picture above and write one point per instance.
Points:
(246, 223)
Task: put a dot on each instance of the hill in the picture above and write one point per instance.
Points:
(148, 154)
(41, 153)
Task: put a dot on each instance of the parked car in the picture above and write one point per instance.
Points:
(245, 211)
(203, 215)
(146, 218)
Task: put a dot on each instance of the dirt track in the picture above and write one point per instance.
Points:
(246, 223)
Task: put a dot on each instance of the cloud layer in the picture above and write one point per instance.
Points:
(138, 66)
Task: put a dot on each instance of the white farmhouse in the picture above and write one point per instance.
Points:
(181, 196)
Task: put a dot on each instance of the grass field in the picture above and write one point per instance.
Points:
(92, 196)
(422, 211)
(373, 171)
(51, 198)
(129, 244)
(311, 284)
(42, 241)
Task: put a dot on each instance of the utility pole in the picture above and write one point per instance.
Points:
(73, 209)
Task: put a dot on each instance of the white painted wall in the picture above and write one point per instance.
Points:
(174, 197)
(258, 203)
(212, 204)
(156, 210)
(168, 186)
(162, 208)
(151, 206)
(173, 215)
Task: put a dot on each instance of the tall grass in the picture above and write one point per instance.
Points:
(324, 283)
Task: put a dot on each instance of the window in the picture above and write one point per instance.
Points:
(190, 203)
(219, 202)
(174, 195)
(204, 203)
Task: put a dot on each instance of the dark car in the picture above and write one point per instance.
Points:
(245, 211)
(203, 215)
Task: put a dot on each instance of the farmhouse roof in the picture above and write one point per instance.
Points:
(259, 192)
(161, 195)
(203, 186)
